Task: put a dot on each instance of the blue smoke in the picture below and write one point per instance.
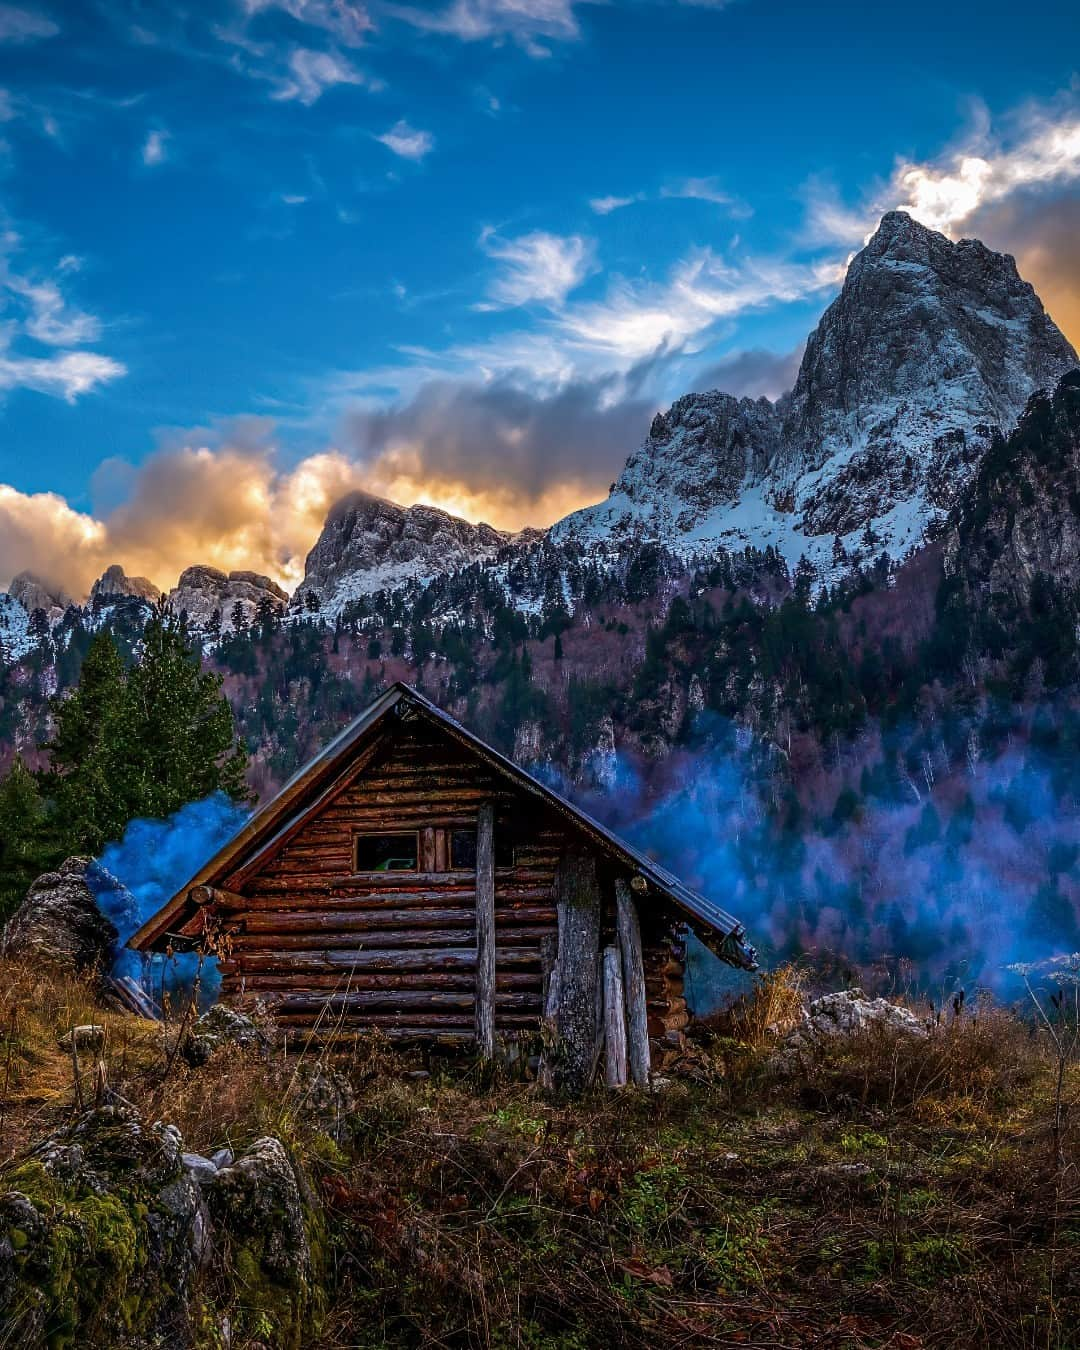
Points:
(152, 862)
(903, 880)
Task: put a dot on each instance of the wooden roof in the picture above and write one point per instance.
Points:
(318, 782)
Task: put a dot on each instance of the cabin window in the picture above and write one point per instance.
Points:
(463, 850)
(387, 852)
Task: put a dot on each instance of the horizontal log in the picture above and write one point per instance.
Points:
(356, 895)
(418, 1021)
(411, 979)
(397, 937)
(319, 921)
(396, 999)
(417, 958)
(342, 1040)
(368, 940)
(404, 881)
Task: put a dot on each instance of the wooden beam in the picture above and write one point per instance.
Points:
(215, 895)
(633, 965)
(575, 982)
(614, 1021)
(485, 930)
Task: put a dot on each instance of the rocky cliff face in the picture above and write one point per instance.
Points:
(929, 347)
(370, 544)
(1021, 518)
(202, 592)
(115, 584)
(34, 592)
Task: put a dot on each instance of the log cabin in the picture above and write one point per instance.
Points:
(413, 880)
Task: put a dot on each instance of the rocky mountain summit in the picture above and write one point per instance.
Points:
(370, 544)
(204, 591)
(114, 584)
(930, 346)
(34, 592)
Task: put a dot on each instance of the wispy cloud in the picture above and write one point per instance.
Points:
(347, 21)
(603, 206)
(65, 375)
(634, 320)
(538, 267)
(407, 141)
(155, 149)
(1040, 150)
(700, 190)
(38, 311)
(25, 25)
(309, 73)
(529, 23)
(685, 189)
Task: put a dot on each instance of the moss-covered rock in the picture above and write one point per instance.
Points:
(272, 1243)
(105, 1233)
(107, 1238)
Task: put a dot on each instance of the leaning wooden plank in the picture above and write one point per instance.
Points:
(485, 930)
(637, 1015)
(614, 1020)
(577, 895)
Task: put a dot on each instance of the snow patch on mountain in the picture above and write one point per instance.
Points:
(930, 346)
(15, 639)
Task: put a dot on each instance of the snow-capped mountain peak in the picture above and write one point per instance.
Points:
(929, 346)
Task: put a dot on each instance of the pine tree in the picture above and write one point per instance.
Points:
(142, 742)
(179, 744)
(26, 848)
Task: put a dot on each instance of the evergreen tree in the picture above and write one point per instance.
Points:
(142, 742)
(26, 847)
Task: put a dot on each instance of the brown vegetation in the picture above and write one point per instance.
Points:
(882, 1191)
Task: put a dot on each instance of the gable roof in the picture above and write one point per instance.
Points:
(720, 931)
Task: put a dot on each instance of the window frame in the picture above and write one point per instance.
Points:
(358, 871)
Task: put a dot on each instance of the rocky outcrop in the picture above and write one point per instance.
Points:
(259, 1196)
(370, 544)
(699, 454)
(60, 920)
(203, 592)
(850, 1013)
(1021, 518)
(34, 592)
(928, 348)
(114, 584)
(107, 1225)
(222, 1026)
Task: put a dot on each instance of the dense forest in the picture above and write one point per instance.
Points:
(882, 770)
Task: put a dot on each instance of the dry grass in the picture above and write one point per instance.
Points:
(884, 1193)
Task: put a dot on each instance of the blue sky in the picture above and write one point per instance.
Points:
(257, 252)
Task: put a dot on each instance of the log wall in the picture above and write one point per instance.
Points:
(341, 951)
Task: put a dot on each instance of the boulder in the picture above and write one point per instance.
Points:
(115, 584)
(220, 1026)
(108, 1222)
(259, 1197)
(105, 1233)
(90, 1036)
(61, 922)
(850, 1013)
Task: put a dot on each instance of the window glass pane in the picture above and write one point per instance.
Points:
(462, 850)
(386, 852)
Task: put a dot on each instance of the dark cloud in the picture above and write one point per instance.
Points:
(1042, 231)
(755, 373)
(504, 443)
